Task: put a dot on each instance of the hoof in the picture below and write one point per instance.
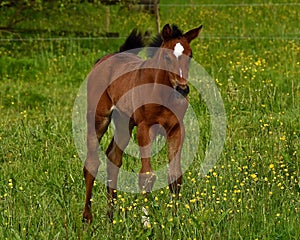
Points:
(87, 218)
(110, 216)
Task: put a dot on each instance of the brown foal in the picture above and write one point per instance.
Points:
(150, 94)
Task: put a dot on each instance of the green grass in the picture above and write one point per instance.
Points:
(253, 192)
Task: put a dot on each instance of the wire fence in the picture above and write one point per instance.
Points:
(231, 4)
(220, 37)
(197, 5)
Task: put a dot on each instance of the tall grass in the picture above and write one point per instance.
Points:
(252, 192)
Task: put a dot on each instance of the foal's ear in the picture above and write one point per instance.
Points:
(166, 33)
(192, 34)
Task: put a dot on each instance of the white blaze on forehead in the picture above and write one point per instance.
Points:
(178, 50)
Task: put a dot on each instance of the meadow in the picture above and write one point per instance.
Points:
(252, 51)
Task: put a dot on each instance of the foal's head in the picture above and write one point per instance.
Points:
(176, 53)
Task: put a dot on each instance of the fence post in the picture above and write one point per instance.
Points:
(156, 11)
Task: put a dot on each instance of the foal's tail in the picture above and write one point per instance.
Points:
(133, 42)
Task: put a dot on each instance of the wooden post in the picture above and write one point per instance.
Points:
(157, 19)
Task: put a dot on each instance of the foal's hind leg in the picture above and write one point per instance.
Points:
(114, 154)
(97, 126)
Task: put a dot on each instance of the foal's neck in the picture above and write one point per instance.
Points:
(157, 73)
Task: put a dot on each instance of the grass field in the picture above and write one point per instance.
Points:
(253, 192)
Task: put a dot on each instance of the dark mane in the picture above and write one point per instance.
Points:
(133, 41)
(157, 40)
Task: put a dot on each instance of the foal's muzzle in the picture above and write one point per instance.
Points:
(184, 92)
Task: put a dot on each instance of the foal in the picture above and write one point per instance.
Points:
(151, 95)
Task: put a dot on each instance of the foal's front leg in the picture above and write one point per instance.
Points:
(175, 141)
(146, 177)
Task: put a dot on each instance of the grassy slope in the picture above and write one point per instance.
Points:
(253, 191)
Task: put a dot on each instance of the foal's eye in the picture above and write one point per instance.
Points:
(168, 59)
